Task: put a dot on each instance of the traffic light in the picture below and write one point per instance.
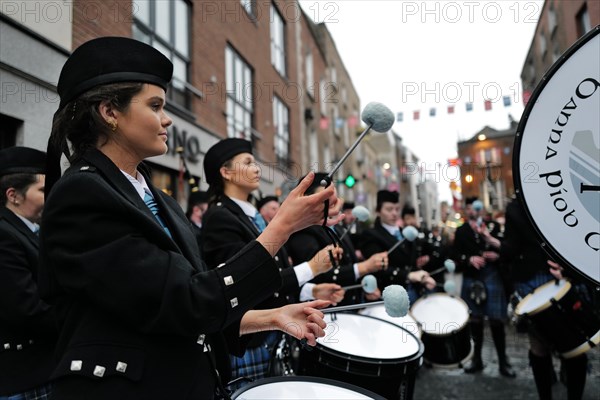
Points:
(350, 181)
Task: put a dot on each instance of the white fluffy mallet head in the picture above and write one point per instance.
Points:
(378, 116)
(477, 205)
(410, 233)
(369, 283)
(361, 213)
(395, 301)
(450, 265)
(449, 287)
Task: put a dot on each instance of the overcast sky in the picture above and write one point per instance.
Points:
(418, 55)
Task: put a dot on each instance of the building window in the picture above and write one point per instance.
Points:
(583, 21)
(248, 6)
(165, 25)
(277, 41)
(240, 108)
(543, 45)
(281, 123)
(551, 20)
(10, 128)
(309, 71)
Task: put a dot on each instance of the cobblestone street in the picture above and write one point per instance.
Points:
(454, 384)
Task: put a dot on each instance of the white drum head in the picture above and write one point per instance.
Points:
(440, 314)
(298, 389)
(368, 337)
(407, 322)
(540, 298)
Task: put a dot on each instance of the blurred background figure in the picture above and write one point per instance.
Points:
(27, 327)
(197, 206)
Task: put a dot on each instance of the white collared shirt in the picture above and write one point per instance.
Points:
(31, 225)
(139, 183)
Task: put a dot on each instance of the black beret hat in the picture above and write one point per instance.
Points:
(110, 60)
(348, 205)
(387, 196)
(470, 200)
(408, 210)
(260, 203)
(15, 160)
(220, 153)
(319, 176)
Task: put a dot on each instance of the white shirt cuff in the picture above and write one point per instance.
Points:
(303, 273)
(306, 293)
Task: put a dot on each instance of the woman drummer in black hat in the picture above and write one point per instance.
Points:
(232, 222)
(140, 316)
(27, 328)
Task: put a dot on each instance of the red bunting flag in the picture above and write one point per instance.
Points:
(450, 109)
(416, 115)
(487, 105)
(324, 123)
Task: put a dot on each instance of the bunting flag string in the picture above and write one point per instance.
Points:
(488, 105)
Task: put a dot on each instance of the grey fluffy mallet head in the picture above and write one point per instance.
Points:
(378, 116)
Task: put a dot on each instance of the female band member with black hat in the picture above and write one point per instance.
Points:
(231, 222)
(27, 327)
(140, 316)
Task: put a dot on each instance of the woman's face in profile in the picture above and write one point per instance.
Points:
(142, 127)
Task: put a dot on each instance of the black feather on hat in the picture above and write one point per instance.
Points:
(408, 210)
(348, 205)
(385, 196)
(470, 200)
(220, 153)
(22, 160)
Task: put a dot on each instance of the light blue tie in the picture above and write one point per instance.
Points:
(259, 221)
(398, 235)
(151, 203)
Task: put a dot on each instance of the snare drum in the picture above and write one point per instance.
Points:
(444, 322)
(562, 318)
(407, 322)
(368, 352)
(305, 387)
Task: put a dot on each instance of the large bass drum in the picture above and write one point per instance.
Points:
(556, 160)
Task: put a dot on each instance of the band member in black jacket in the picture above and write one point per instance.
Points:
(384, 234)
(196, 207)
(530, 268)
(304, 244)
(27, 325)
(476, 252)
(230, 223)
(141, 317)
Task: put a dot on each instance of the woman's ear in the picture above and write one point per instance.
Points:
(225, 173)
(108, 113)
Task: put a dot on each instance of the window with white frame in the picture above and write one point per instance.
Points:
(165, 25)
(277, 40)
(309, 71)
(240, 107)
(281, 123)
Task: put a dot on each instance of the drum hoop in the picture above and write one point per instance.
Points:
(583, 348)
(423, 331)
(376, 361)
(559, 295)
(313, 379)
(548, 247)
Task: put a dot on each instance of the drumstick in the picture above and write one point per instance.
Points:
(409, 233)
(368, 284)
(449, 266)
(395, 300)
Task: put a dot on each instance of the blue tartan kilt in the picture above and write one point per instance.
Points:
(495, 305)
(255, 362)
(39, 393)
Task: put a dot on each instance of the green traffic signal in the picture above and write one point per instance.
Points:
(350, 181)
